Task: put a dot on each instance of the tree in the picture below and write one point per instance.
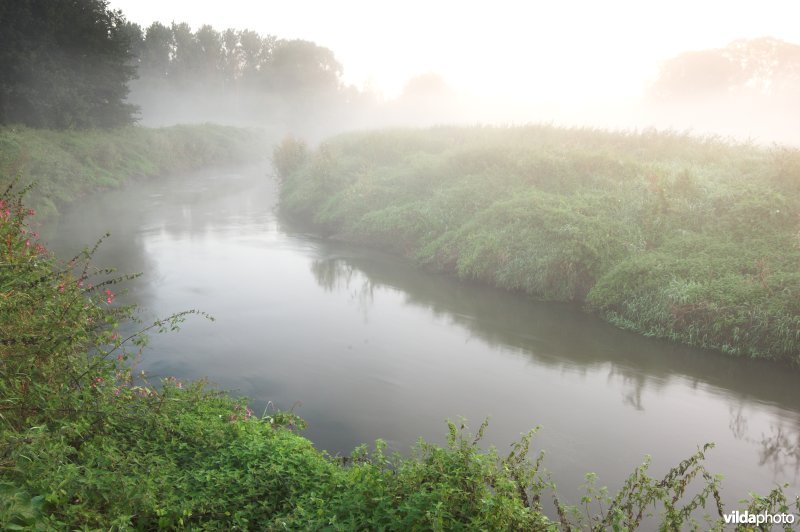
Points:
(64, 64)
(156, 52)
(304, 66)
(231, 57)
(764, 67)
(186, 63)
(209, 44)
(749, 89)
(256, 52)
(235, 75)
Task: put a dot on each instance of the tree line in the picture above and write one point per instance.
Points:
(80, 64)
(72, 63)
(765, 66)
(64, 64)
(232, 59)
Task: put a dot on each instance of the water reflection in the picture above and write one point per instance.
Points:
(546, 333)
(337, 275)
(555, 334)
(779, 446)
(738, 424)
(376, 348)
(781, 450)
(632, 387)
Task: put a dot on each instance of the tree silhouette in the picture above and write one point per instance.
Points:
(764, 66)
(64, 64)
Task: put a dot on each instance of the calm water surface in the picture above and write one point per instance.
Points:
(366, 346)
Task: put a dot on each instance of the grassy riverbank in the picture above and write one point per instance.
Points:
(87, 443)
(65, 165)
(696, 240)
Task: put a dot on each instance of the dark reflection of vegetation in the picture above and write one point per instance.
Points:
(560, 335)
(557, 334)
(633, 384)
(332, 274)
(335, 275)
(692, 240)
(779, 449)
(738, 423)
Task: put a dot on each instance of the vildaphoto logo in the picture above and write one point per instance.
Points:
(746, 518)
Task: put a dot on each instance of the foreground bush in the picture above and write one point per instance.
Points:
(695, 240)
(85, 443)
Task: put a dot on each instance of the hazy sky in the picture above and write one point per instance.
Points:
(543, 51)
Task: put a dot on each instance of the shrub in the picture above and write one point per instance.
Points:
(690, 239)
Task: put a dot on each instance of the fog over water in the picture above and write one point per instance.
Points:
(367, 346)
(570, 63)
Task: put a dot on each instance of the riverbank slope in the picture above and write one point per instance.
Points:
(692, 239)
(65, 165)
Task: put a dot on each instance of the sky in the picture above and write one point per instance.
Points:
(555, 51)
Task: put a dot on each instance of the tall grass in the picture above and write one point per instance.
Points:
(66, 165)
(692, 239)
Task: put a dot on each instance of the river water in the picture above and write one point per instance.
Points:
(364, 345)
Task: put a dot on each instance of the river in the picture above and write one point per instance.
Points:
(364, 345)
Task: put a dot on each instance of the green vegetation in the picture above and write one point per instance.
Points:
(86, 443)
(65, 165)
(178, 59)
(695, 240)
(236, 76)
(79, 64)
(64, 64)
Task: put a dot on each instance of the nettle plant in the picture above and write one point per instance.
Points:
(67, 372)
(61, 344)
